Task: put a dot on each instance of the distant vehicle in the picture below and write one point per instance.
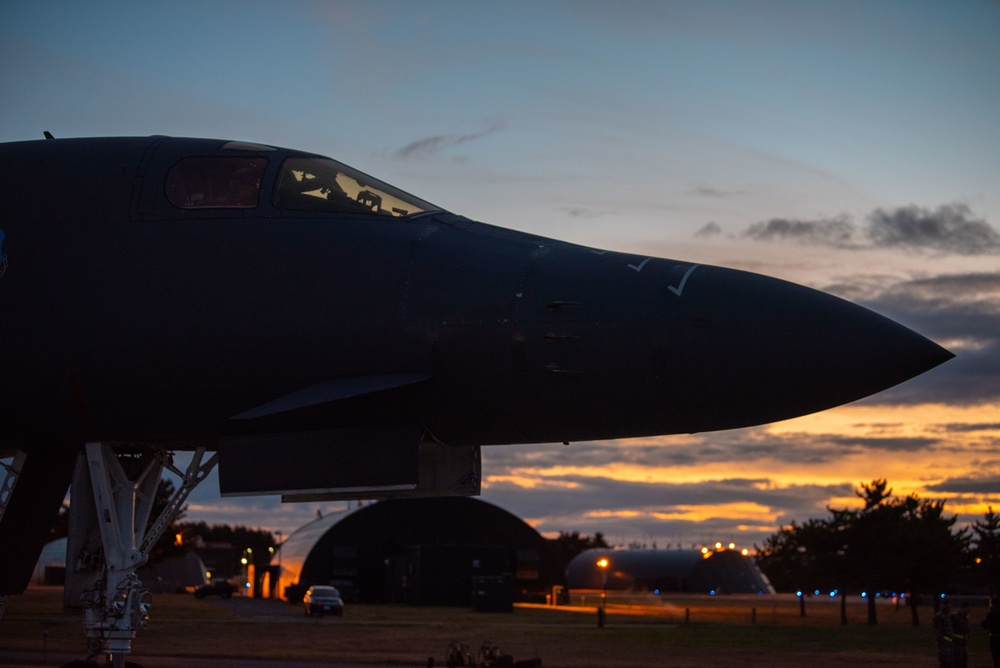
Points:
(323, 599)
(218, 587)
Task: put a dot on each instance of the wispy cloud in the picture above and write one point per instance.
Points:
(716, 193)
(586, 213)
(429, 146)
(708, 231)
(838, 231)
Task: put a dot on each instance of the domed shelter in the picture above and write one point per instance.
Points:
(720, 571)
(435, 551)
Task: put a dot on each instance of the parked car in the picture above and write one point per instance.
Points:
(323, 599)
(217, 587)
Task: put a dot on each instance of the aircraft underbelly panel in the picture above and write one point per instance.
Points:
(352, 463)
(303, 461)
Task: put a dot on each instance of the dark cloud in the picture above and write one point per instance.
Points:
(959, 311)
(438, 143)
(709, 230)
(664, 512)
(963, 428)
(988, 485)
(888, 444)
(759, 445)
(969, 379)
(962, 307)
(597, 491)
(837, 231)
(737, 447)
(951, 228)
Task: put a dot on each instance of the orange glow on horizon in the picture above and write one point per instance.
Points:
(817, 462)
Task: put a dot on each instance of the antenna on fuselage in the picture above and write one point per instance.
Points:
(48, 135)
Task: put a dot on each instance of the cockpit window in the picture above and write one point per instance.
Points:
(321, 184)
(215, 183)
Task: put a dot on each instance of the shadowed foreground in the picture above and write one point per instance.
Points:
(723, 630)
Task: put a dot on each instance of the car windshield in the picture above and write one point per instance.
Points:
(321, 184)
(324, 591)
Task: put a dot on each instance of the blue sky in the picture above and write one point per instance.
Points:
(851, 146)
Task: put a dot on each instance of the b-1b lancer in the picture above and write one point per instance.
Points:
(321, 334)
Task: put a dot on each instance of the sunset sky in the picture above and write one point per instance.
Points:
(852, 146)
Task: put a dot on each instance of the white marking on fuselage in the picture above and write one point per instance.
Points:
(641, 264)
(677, 290)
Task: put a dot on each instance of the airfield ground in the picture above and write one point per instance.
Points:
(651, 631)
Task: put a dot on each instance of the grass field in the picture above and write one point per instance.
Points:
(722, 631)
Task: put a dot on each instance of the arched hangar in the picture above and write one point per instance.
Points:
(696, 571)
(433, 551)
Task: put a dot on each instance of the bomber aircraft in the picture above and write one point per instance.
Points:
(321, 334)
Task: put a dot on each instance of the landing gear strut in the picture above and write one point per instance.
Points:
(111, 501)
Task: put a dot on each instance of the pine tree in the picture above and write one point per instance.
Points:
(986, 552)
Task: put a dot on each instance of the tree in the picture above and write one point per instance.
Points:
(873, 543)
(801, 557)
(891, 543)
(253, 541)
(986, 552)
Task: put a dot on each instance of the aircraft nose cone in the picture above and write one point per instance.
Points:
(780, 350)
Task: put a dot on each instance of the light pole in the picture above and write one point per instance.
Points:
(602, 563)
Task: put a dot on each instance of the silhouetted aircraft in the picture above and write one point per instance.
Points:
(331, 336)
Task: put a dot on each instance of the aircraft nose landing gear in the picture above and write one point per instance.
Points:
(111, 502)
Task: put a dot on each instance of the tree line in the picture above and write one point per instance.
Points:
(891, 544)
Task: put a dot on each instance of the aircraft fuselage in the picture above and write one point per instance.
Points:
(126, 317)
